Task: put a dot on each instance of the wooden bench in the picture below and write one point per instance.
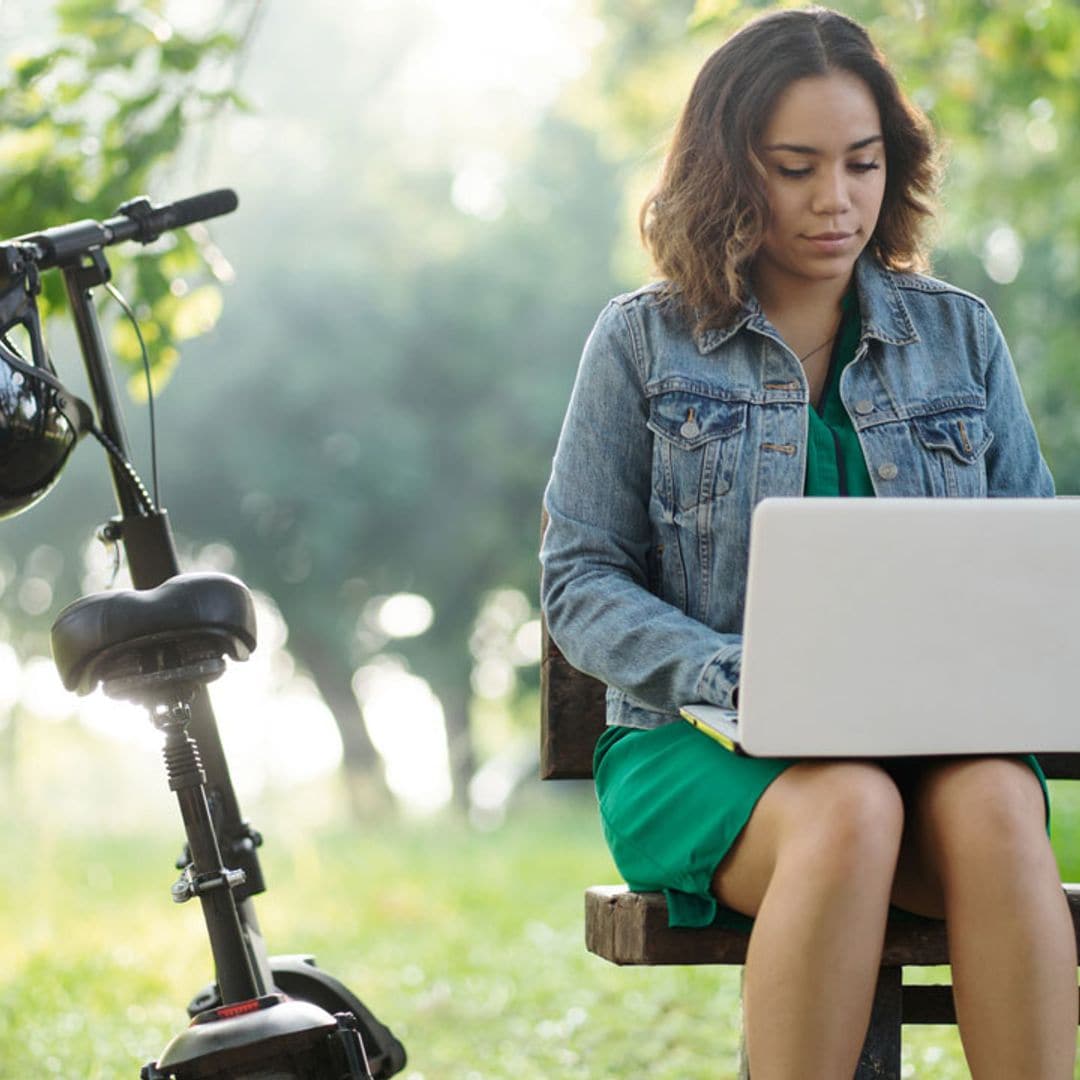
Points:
(631, 928)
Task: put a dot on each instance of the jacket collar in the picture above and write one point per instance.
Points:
(881, 307)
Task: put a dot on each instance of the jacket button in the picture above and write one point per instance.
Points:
(864, 408)
(888, 471)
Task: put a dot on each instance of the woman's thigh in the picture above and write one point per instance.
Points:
(845, 816)
(989, 807)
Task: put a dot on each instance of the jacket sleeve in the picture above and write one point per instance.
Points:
(594, 590)
(1014, 463)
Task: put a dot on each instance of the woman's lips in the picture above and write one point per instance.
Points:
(830, 242)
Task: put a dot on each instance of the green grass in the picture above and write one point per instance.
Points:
(469, 945)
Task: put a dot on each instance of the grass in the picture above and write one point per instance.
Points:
(469, 945)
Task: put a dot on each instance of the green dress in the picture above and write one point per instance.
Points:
(673, 801)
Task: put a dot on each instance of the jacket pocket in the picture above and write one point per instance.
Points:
(956, 441)
(696, 446)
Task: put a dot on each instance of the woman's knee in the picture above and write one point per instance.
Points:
(980, 805)
(843, 815)
(835, 822)
(1000, 790)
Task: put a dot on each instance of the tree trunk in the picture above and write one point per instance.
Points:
(455, 697)
(362, 767)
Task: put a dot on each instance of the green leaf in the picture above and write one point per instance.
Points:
(116, 112)
(230, 97)
(220, 41)
(197, 313)
(28, 68)
(68, 93)
(128, 108)
(180, 54)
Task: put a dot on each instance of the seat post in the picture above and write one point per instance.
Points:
(159, 648)
(205, 876)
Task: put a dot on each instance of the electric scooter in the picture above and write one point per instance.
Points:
(160, 644)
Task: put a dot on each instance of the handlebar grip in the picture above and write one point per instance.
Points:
(210, 204)
(143, 222)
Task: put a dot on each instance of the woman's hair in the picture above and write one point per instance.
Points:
(705, 219)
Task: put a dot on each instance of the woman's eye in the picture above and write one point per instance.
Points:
(800, 173)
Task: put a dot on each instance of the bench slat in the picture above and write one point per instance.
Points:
(631, 928)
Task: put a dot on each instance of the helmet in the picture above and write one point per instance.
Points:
(40, 422)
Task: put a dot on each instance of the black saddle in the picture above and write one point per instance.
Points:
(183, 628)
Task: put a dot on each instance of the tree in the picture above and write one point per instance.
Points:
(89, 121)
(405, 439)
(377, 408)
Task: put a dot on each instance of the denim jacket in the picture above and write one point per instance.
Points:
(671, 439)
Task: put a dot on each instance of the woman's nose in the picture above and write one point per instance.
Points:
(831, 194)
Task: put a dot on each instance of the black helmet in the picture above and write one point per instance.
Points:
(40, 422)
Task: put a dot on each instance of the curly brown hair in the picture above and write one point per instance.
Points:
(704, 221)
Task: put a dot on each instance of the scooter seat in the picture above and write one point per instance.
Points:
(195, 614)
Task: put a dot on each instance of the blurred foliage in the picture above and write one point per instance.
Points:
(422, 358)
(998, 80)
(93, 118)
(376, 407)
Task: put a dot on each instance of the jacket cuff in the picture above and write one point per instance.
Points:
(720, 677)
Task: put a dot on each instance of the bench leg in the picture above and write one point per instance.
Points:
(881, 1052)
(880, 1058)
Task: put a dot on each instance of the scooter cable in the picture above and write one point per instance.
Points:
(115, 293)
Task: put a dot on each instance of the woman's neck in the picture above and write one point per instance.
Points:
(785, 300)
(805, 313)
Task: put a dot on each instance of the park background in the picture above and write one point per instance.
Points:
(359, 378)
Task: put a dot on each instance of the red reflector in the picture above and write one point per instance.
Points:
(226, 1011)
(240, 1008)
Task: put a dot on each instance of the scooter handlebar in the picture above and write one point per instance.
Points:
(137, 220)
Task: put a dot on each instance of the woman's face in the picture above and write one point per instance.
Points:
(825, 179)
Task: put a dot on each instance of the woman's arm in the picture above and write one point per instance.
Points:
(1014, 463)
(594, 590)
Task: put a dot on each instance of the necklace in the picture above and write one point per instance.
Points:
(817, 348)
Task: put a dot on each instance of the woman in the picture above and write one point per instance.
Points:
(792, 349)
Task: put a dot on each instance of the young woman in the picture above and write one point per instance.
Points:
(792, 348)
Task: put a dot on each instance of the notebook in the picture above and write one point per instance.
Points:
(894, 627)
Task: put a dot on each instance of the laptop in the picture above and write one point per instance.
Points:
(896, 627)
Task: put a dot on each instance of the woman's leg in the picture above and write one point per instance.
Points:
(815, 866)
(975, 851)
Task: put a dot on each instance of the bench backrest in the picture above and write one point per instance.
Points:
(572, 718)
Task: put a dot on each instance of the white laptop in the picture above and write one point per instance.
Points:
(891, 627)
